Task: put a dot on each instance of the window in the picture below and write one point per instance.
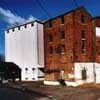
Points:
(82, 19)
(33, 69)
(7, 31)
(26, 69)
(62, 20)
(58, 50)
(63, 49)
(83, 50)
(25, 26)
(13, 29)
(83, 43)
(18, 28)
(84, 76)
(51, 50)
(32, 24)
(50, 38)
(50, 24)
(83, 47)
(63, 35)
(83, 34)
(26, 78)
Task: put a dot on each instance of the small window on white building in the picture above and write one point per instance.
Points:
(25, 26)
(19, 28)
(26, 78)
(26, 69)
(33, 78)
(13, 29)
(32, 24)
(7, 31)
(33, 69)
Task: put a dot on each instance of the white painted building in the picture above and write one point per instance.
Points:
(24, 46)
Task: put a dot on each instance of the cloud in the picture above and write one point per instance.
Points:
(13, 19)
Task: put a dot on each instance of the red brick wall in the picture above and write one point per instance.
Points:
(87, 27)
(72, 28)
(96, 23)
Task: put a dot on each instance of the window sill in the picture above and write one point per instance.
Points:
(62, 39)
(62, 24)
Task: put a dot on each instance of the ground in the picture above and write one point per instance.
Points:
(84, 92)
(12, 94)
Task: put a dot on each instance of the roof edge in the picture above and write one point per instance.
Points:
(25, 24)
(73, 10)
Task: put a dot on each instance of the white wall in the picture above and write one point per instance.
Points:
(97, 31)
(89, 69)
(40, 45)
(21, 47)
(97, 72)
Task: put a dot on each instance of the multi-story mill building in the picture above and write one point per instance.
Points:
(24, 46)
(70, 48)
(66, 46)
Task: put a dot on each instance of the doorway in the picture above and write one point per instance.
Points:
(84, 74)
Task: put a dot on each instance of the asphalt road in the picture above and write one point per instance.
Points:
(12, 94)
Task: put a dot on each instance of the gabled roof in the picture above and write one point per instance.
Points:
(69, 12)
(97, 17)
(97, 21)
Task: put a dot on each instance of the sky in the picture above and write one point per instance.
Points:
(14, 12)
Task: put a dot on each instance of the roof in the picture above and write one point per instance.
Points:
(42, 22)
(25, 24)
(69, 12)
(97, 17)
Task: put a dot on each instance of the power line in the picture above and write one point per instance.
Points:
(76, 4)
(42, 7)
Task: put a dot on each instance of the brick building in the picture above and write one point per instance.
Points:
(70, 48)
(96, 22)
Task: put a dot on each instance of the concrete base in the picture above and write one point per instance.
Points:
(74, 84)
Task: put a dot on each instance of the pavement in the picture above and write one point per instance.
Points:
(43, 92)
(12, 94)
